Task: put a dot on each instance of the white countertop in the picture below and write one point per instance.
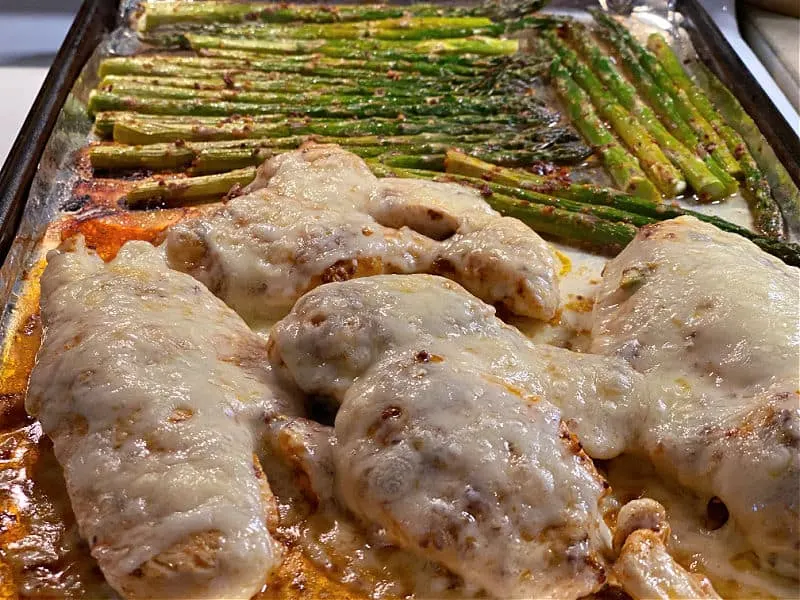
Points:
(18, 89)
(28, 43)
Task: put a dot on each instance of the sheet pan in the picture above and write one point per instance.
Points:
(37, 182)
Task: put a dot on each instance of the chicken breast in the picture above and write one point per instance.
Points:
(473, 473)
(503, 264)
(450, 441)
(261, 252)
(714, 322)
(318, 215)
(336, 332)
(154, 394)
(437, 210)
(687, 297)
(318, 175)
(498, 259)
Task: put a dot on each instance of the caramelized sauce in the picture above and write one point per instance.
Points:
(41, 552)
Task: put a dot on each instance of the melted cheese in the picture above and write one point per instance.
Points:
(369, 564)
(718, 550)
(261, 251)
(436, 210)
(714, 322)
(318, 215)
(311, 520)
(318, 175)
(502, 264)
(153, 392)
(462, 468)
(335, 333)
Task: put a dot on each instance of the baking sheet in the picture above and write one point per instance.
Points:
(52, 193)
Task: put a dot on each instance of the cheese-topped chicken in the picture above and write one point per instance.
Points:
(449, 436)
(494, 257)
(437, 210)
(262, 251)
(714, 323)
(318, 214)
(154, 394)
(335, 333)
(664, 307)
(469, 471)
(320, 175)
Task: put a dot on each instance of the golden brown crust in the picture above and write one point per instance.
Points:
(186, 567)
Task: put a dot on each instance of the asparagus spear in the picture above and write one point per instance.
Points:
(258, 97)
(162, 14)
(474, 44)
(432, 156)
(622, 167)
(714, 145)
(632, 132)
(663, 103)
(233, 60)
(270, 45)
(571, 226)
(366, 84)
(132, 128)
(242, 86)
(165, 86)
(138, 129)
(176, 191)
(784, 191)
(433, 162)
(220, 160)
(225, 95)
(169, 156)
(405, 29)
(193, 66)
(702, 180)
(161, 157)
(424, 155)
(459, 163)
(147, 127)
(462, 164)
(312, 63)
(361, 49)
(766, 214)
(325, 107)
(198, 67)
